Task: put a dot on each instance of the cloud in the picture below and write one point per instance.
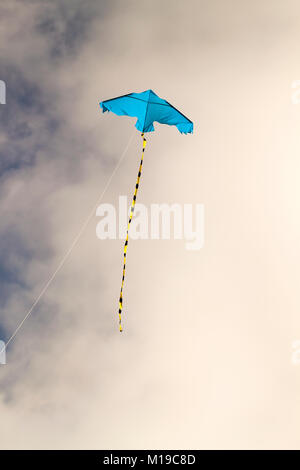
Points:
(203, 361)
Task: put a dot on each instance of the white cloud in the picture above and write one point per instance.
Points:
(205, 335)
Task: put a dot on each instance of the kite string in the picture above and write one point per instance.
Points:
(128, 226)
(70, 249)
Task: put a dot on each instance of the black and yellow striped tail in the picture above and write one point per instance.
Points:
(126, 240)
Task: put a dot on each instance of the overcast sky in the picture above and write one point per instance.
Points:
(205, 357)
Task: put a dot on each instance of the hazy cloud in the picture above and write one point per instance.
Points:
(204, 358)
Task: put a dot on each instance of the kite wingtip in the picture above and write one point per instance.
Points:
(103, 107)
(185, 128)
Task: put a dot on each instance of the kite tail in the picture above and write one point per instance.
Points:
(128, 226)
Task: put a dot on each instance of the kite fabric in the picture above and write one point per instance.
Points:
(147, 107)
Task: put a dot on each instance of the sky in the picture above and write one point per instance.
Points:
(205, 360)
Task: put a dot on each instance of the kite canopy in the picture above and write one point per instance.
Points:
(148, 107)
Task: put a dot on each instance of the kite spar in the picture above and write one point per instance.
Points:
(148, 108)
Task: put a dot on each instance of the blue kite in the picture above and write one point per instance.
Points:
(148, 108)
